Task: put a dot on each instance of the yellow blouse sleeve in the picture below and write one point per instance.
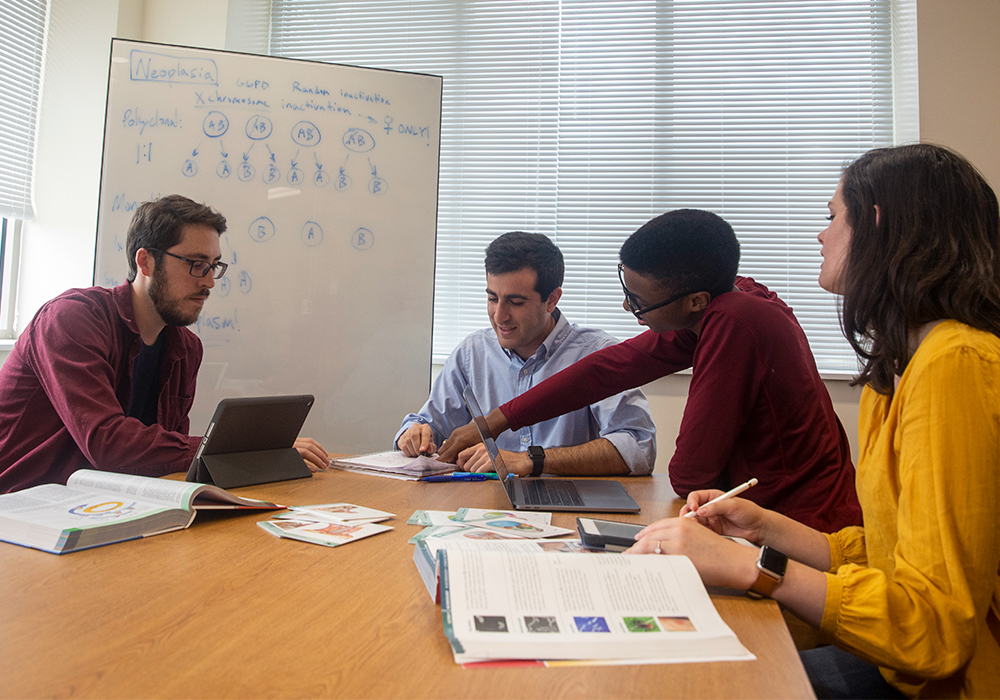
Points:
(847, 546)
(931, 496)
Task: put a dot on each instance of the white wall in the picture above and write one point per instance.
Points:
(958, 52)
(959, 59)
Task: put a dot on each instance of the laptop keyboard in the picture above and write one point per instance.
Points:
(548, 492)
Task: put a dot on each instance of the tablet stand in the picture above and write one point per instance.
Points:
(248, 468)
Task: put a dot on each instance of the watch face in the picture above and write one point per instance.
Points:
(773, 560)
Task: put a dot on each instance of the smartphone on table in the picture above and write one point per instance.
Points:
(608, 535)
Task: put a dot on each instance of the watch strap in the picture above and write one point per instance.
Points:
(537, 460)
(768, 579)
(764, 586)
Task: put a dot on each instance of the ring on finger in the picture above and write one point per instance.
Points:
(658, 550)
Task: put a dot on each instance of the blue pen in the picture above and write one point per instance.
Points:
(460, 476)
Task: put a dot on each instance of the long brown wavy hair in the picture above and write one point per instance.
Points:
(934, 253)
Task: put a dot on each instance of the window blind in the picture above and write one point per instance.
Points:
(22, 32)
(582, 120)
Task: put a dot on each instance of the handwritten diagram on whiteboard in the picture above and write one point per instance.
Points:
(327, 175)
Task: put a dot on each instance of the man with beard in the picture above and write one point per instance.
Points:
(105, 378)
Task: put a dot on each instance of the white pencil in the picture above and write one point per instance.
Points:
(728, 494)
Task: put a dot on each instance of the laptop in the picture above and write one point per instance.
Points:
(526, 493)
(251, 441)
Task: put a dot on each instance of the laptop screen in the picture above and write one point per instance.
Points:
(484, 432)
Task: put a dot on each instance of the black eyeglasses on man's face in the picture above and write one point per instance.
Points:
(199, 268)
(633, 303)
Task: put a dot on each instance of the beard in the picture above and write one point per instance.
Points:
(169, 308)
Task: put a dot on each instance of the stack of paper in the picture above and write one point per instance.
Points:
(394, 465)
(478, 523)
(328, 524)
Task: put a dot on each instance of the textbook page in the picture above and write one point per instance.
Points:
(96, 508)
(512, 605)
(58, 518)
(176, 494)
(57, 506)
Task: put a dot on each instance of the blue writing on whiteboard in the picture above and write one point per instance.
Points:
(358, 140)
(311, 105)
(258, 127)
(422, 131)
(306, 134)
(253, 84)
(209, 98)
(190, 168)
(363, 239)
(343, 181)
(133, 118)
(218, 323)
(120, 203)
(244, 282)
(311, 89)
(215, 124)
(261, 229)
(162, 68)
(365, 96)
(312, 234)
(224, 286)
(224, 171)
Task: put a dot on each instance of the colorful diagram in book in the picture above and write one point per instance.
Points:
(507, 604)
(96, 508)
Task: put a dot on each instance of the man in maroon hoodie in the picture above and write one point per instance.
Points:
(105, 378)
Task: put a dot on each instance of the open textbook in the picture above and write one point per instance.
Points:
(393, 464)
(519, 605)
(425, 549)
(96, 508)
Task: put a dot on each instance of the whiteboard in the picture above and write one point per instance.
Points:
(328, 177)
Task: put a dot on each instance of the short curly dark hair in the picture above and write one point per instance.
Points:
(685, 250)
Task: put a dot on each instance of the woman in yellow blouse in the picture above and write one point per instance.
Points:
(911, 601)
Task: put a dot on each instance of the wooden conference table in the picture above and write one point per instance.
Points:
(225, 610)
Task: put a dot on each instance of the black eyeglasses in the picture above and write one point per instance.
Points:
(199, 268)
(633, 303)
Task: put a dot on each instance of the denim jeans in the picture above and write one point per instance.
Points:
(835, 673)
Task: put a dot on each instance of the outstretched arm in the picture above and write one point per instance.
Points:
(595, 458)
(465, 436)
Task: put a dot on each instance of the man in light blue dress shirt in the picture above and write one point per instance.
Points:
(530, 340)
